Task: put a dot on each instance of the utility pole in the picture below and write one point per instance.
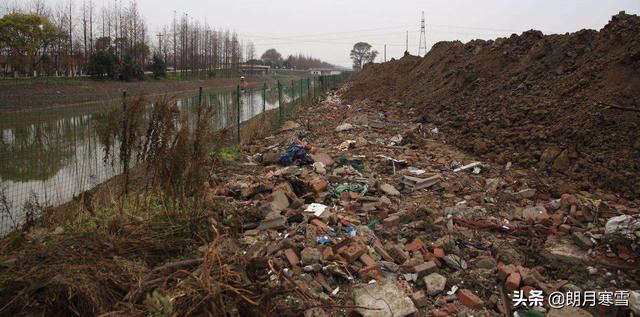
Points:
(385, 53)
(406, 51)
(423, 38)
(159, 42)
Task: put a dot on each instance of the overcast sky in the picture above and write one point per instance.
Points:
(327, 29)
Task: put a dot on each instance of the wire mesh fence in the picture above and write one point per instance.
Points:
(48, 157)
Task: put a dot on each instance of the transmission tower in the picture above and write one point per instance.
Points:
(423, 38)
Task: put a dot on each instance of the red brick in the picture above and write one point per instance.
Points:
(353, 251)
(513, 281)
(372, 272)
(430, 257)
(327, 254)
(505, 270)
(292, 257)
(377, 246)
(391, 221)
(321, 225)
(397, 254)
(319, 185)
(367, 260)
(527, 290)
(438, 252)
(469, 299)
(417, 244)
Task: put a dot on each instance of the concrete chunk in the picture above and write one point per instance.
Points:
(382, 299)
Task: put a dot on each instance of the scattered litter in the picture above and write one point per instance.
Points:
(468, 166)
(316, 209)
(415, 183)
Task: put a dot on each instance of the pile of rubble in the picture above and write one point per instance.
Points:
(359, 211)
(566, 104)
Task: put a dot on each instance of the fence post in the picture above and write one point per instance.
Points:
(238, 110)
(123, 147)
(308, 88)
(200, 96)
(301, 91)
(264, 98)
(279, 101)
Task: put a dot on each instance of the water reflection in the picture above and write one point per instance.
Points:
(55, 154)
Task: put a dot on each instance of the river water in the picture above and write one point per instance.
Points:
(50, 156)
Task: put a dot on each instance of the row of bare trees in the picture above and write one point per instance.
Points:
(83, 30)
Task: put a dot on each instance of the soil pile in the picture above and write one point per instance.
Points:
(566, 104)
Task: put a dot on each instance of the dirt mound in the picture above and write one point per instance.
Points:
(566, 104)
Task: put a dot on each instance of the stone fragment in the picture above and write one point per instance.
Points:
(323, 158)
(425, 268)
(382, 299)
(564, 251)
(388, 189)
(310, 255)
(485, 262)
(279, 201)
(455, 262)
(277, 222)
(582, 240)
(435, 283)
(344, 127)
(419, 298)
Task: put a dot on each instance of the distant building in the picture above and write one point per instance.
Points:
(254, 69)
(324, 72)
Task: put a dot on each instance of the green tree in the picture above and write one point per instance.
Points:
(158, 66)
(103, 63)
(362, 54)
(27, 35)
(131, 70)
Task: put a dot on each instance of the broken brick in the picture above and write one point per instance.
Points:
(292, 257)
(469, 299)
(327, 254)
(321, 225)
(417, 244)
(391, 221)
(397, 254)
(513, 281)
(419, 298)
(367, 260)
(425, 268)
(438, 252)
(353, 251)
(505, 270)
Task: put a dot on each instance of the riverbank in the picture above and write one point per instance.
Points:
(26, 96)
